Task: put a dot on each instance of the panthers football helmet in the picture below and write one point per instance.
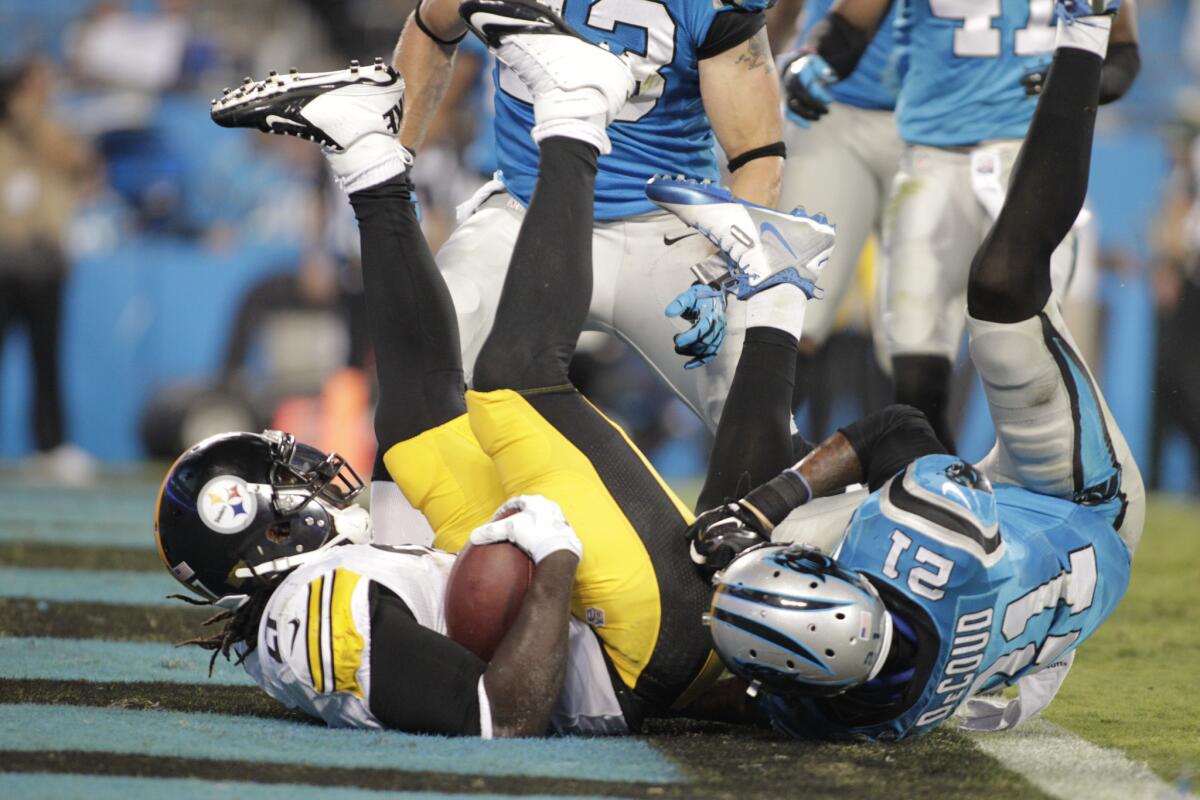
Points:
(792, 621)
(239, 508)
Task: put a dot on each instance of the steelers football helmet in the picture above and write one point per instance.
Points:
(238, 509)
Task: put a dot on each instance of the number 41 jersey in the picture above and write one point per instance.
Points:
(663, 128)
(963, 64)
(985, 587)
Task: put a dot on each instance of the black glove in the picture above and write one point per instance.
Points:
(805, 79)
(720, 534)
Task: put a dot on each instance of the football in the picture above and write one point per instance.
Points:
(484, 594)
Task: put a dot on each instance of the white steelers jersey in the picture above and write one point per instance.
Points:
(314, 640)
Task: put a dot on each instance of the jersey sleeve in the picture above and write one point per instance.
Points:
(422, 681)
(715, 30)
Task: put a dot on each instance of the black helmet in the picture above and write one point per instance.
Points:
(238, 508)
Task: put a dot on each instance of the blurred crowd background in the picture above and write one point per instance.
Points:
(162, 278)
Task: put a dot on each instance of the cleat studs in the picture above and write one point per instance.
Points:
(273, 73)
(226, 90)
(354, 67)
(246, 81)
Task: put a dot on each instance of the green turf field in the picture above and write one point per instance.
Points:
(95, 701)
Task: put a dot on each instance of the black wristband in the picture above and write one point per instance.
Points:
(780, 496)
(839, 43)
(1121, 67)
(425, 30)
(766, 151)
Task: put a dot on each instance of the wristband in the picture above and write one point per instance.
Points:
(766, 151)
(778, 497)
(425, 30)
(839, 43)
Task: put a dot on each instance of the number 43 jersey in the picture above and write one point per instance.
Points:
(985, 587)
(663, 128)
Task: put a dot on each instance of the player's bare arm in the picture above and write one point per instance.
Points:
(740, 89)
(425, 57)
(525, 676)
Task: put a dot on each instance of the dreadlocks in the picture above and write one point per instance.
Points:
(240, 626)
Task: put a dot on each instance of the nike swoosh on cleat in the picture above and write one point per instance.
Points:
(272, 119)
(668, 241)
(767, 227)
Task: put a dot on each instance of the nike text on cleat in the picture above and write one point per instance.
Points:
(354, 114)
(577, 87)
(761, 247)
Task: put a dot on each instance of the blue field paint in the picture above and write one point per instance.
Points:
(93, 660)
(40, 728)
(106, 787)
(98, 586)
(102, 516)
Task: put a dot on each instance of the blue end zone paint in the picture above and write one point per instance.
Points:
(113, 517)
(101, 586)
(88, 660)
(35, 728)
(106, 787)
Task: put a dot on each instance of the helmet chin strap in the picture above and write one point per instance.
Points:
(351, 526)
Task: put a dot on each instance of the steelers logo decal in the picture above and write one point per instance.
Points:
(227, 504)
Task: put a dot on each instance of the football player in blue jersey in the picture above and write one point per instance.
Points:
(970, 74)
(952, 580)
(704, 75)
(845, 165)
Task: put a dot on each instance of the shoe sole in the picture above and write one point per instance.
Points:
(283, 97)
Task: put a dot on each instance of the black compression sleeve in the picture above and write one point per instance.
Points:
(839, 43)
(421, 681)
(1121, 67)
(754, 442)
(410, 316)
(888, 440)
(728, 30)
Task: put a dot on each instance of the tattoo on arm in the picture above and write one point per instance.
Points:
(758, 53)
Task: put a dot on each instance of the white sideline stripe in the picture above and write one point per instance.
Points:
(1067, 767)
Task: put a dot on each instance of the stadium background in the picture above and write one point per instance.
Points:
(206, 260)
(212, 286)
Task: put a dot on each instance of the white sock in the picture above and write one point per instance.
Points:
(370, 161)
(1085, 33)
(780, 307)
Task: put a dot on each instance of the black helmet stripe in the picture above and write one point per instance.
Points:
(770, 635)
(780, 600)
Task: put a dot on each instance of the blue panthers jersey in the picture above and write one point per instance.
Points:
(985, 587)
(662, 129)
(874, 82)
(963, 61)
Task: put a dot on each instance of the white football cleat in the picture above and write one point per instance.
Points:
(577, 87)
(761, 247)
(354, 114)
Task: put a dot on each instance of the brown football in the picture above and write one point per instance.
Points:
(486, 588)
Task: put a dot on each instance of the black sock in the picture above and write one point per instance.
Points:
(411, 317)
(1010, 275)
(548, 288)
(754, 437)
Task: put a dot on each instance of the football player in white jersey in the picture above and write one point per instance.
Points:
(354, 634)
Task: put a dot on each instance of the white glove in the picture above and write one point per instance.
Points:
(532, 523)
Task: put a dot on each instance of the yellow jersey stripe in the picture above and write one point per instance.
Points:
(314, 634)
(347, 642)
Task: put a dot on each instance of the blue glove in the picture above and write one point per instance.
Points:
(805, 82)
(703, 306)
